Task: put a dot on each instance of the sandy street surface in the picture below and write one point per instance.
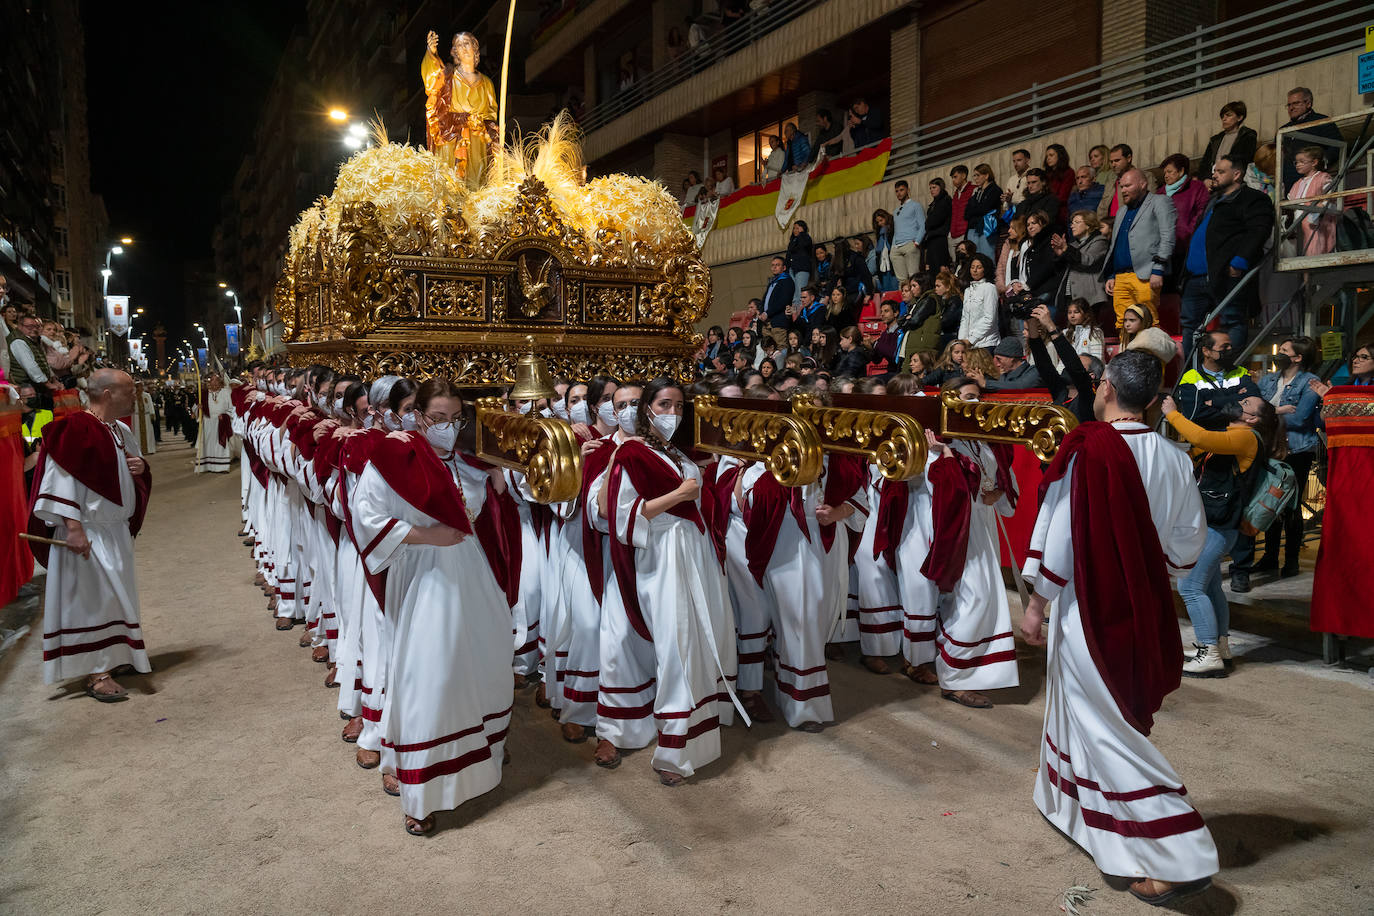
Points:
(221, 786)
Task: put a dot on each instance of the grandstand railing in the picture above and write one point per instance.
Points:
(1284, 34)
(719, 46)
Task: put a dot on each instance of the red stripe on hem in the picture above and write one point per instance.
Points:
(579, 696)
(1053, 576)
(880, 627)
(973, 645)
(58, 499)
(645, 686)
(713, 698)
(70, 630)
(1156, 829)
(624, 712)
(386, 529)
(809, 693)
(799, 672)
(991, 658)
(696, 731)
(426, 745)
(82, 648)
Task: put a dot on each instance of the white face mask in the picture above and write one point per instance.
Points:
(338, 409)
(546, 412)
(666, 424)
(560, 409)
(390, 420)
(367, 421)
(442, 436)
(578, 413)
(408, 421)
(626, 417)
(524, 406)
(605, 412)
(260, 385)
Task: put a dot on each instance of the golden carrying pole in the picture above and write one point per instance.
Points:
(501, 105)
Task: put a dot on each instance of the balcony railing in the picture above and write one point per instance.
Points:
(1284, 34)
(714, 49)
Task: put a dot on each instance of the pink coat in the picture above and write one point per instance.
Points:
(1189, 203)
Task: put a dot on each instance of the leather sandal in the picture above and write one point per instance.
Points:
(319, 654)
(754, 704)
(104, 688)
(875, 663)
(834, 651)
(521, 682)
(419, 827)
(331, 679)
(967, 698)
(352, 730)
(391, 785)
(607, 755)
(541, 697)
(921, 674)
(811, 727)
(573, 733)
(306, 639)
(1171, 892)
(368, 760)
(285, 623)
(668, 778)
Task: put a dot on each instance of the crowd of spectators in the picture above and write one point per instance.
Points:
(1037, 281)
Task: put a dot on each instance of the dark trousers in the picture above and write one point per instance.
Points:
(1196, 302)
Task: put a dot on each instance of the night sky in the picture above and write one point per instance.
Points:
(174, 92)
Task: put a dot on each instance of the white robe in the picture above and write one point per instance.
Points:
(973, 637)
(897, 606)
(211, 457)
(91, 611)
(689, 668)
(1100, 781)
(449, 688)
(789, 605)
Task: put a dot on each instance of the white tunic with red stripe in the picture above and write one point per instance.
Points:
(448, 685)
(975, 648)
(897, 606)
(90, 611)
(1101, 781)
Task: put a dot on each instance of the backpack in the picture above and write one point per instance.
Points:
(1276, 487)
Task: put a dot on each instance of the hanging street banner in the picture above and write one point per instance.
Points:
(231, 337)
(117, 314)
(201, 357)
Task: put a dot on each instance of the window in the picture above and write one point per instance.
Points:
(59, 237)
(753, 150)
(63, 279)
(59, 196)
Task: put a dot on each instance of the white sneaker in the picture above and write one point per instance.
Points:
(1206, 662)
(1224, 650)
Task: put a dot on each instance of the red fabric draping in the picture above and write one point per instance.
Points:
(844, 476)
(1340, 601)
(1122, 584)
(593, 466)
(652, 479)
(892, 509)
(16, 560)
(763, 520)
(955, 481)
(717, 490)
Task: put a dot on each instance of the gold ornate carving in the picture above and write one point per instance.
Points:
(1040, 425)
(460, 299)
(893, 442)
(610, 304)
(787, 445)
(536, 289)
(546, 451)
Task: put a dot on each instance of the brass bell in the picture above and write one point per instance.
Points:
(532, 380)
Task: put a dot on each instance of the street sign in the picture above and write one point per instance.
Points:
(1366, 72)
(1369, 38)
(1331, 345)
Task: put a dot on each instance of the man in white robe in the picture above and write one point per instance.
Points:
(91, 489)
(212, 449)
(1113, 640)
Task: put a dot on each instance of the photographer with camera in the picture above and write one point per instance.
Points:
(1073, 388)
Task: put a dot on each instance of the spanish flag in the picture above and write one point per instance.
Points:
(830, 178)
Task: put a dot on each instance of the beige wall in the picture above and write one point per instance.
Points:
(739, 254)
(573, 34)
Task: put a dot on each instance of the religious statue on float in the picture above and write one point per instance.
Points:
(460, 108)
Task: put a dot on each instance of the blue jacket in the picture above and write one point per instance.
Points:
(799, 151)
(1302, 424)
(1085, 200)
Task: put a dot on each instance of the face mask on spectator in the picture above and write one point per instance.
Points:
(578, 413)
(338, 409)
(1282, 361)
(560, 409)
(408, 422)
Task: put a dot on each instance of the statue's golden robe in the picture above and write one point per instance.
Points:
(459, 118)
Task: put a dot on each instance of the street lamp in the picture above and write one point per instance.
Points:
(338, 114)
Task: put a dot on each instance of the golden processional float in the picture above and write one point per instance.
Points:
(413, 267)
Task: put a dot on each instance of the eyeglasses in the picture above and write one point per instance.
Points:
(1362, 356)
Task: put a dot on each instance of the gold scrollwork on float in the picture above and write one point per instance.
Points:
(461, 299)
(546, 451)
(893, 442)
(610, 304)
(787, 445)
(1041, 426)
